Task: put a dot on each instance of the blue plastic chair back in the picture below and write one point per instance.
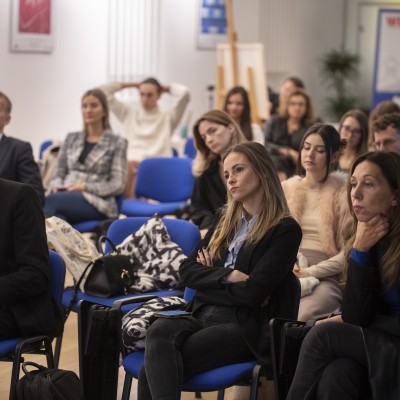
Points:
(43, 146)
(185, 234)
(190, 149)
(57, 275)
(165, 179)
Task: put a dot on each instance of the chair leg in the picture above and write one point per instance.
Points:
(126, 391)
(221, 394)
(57, 350)
(255, 379)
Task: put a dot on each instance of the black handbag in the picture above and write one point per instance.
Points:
(112, 274)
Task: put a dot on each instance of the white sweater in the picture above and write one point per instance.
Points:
(148, 132)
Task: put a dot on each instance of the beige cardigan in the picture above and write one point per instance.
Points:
(333, 210)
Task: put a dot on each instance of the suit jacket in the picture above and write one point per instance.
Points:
(24, 266)
(269, 265)
(104, 170)
(209, 194)
(17, 164)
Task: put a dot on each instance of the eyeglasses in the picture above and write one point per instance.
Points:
(385, 144)
(353, 131)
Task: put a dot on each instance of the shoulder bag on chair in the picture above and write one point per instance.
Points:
(110, 275)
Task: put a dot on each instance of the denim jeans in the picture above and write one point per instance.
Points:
(177, 349)
(71, 207)
(332, 364)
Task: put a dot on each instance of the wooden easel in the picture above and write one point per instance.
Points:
(221, 90)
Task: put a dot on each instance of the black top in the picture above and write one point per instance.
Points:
(87, 148)
(276, 133)
(209, 194)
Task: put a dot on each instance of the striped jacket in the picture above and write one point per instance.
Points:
(104, 170)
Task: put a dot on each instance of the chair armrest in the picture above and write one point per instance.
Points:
(311, 321)
(117, 305)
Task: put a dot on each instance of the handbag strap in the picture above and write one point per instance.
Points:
(104, 238)
(32, 364)
(75, 290)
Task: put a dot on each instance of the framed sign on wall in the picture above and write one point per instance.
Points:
(31, 26)
(212, 24)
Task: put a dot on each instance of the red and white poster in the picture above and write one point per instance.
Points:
(31, 26)
(34, 16)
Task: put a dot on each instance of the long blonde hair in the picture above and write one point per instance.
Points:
(389, 164)
(204, 155)
(274, 203)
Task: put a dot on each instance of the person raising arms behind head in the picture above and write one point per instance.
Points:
(242, 273)
(353, 127)
(317, 200)
(214, 132)
(344, 360)
(237, 105)
(147, 128)
(91, 167)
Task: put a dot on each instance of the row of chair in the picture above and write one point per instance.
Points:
(189, 150)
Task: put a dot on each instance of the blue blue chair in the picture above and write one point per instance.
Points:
(190, 149)
(183, 233)
(217, 379)
(167, 180)
(93, 225)
(14, 349)
(43, 146)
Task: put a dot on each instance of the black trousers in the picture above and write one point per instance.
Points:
(332, 364)
(8, 326)
(177, 349)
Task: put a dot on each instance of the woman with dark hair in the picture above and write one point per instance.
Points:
(344, 360)
(353, 128)
(242, 273)
(91, 167)
(283, 133)
(213, 133)
(237, 105)
(317, 200)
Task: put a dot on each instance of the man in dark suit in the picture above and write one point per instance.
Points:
(16, 157)
(26, 305)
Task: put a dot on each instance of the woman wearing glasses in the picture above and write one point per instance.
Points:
(283, 133)
(353, 128)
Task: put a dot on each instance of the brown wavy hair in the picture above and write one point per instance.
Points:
(389, 164)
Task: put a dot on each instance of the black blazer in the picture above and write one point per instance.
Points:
(269, 265)
(24, 265)
(209, 194)
(362, 306)
(17, 164)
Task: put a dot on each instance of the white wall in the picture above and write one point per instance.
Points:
(46, 88)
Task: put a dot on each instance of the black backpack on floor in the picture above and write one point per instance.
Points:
(50, 384)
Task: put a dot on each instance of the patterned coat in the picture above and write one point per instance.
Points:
(103, 172)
